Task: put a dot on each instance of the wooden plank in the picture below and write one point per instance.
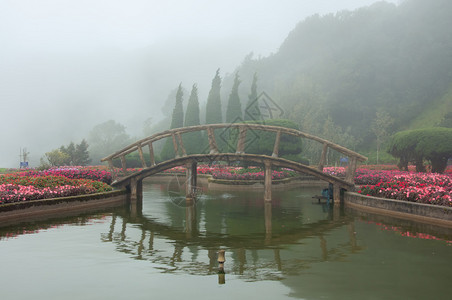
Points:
(241, 140)
(350, 175)
(151, 154)
(276, 146)
(212, 143)
(140, 153)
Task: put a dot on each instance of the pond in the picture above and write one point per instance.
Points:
(293, 248)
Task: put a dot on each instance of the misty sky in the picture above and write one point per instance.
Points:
(67, 65)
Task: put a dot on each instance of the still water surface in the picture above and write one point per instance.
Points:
(293, 248)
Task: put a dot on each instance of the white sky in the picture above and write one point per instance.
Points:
(58, 56)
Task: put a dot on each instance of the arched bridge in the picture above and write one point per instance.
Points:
(133, 181)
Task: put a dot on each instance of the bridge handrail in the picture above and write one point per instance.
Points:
(177, 131)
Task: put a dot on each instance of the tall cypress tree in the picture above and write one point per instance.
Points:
(177, 121)
(193, 141)
(252, 111)
(234, 109)
(213, 106)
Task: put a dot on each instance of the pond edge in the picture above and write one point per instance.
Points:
(425, 213)
(11, 213)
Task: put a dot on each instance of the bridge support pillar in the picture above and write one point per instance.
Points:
(191, 179)
(268, 182)
(136, 189)
(337, 194)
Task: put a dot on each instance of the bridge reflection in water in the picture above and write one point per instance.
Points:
(263, 240)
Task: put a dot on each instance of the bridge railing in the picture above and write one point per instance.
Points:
(179, 149)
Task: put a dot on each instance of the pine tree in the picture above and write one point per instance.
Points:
(213, 106)
(193, 141)
(81, 154)
(177, 121)
(234, 109)
(252, 111)
(70, 151)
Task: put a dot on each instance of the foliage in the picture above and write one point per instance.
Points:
(349, 64)
(234, 108)
(380, 127)
(433, 144)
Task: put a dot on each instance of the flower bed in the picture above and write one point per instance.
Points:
(415, 187)
(235, 173)
(428, 188)
(52, 183)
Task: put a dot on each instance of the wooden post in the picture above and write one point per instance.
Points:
(123, 164)
(176, 148)
(268, 221)
(323, 157)
(350, 175)
(181, 144)
(336, 194)
(241, 140)
(276, 146)
(190, 218)
(140, 153)
(268, 181)
(110, 164)
(136, 189)
(191, 180)
(212, 143)
(151, 154)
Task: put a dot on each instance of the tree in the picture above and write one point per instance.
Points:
(55, 158)
(193, 141)
(107, 138)
(252, 111)
(213, 106)
(432, 144)
(380, 127)
(177, 121)
(234, 109)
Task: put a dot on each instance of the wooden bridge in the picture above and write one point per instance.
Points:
(133, 181)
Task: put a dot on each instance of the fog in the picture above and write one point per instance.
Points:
(66, 66)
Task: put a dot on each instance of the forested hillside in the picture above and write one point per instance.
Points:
(336, 75)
